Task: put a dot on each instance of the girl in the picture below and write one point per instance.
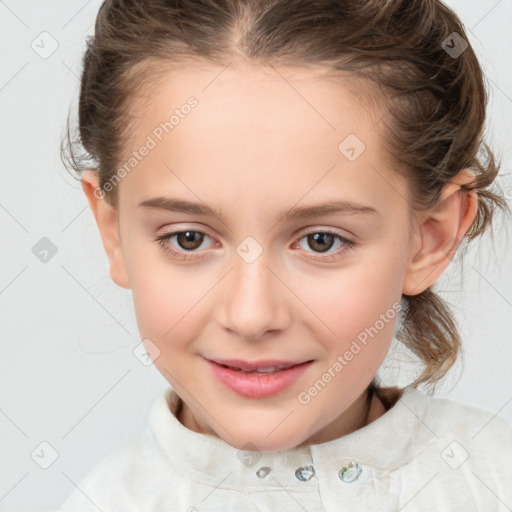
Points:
(281, 183)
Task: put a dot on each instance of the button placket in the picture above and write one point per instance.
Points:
(263, 472)
(305, 473)
(348, 474)
(351, 472)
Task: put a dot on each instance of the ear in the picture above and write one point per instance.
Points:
(107, 220)
(440, 233)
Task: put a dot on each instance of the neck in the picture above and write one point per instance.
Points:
(367, 408)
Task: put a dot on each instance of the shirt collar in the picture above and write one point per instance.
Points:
(385, 444)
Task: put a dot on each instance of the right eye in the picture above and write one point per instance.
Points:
(188, 240)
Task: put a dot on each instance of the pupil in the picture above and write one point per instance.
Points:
(319, 240)
(187, 239)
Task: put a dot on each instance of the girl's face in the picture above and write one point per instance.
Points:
(257, 146)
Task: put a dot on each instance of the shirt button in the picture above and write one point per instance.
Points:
(305, 473)
(350, 473)
(263, 472)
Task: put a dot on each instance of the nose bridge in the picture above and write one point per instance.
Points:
(254, 301)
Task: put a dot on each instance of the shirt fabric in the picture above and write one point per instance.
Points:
(423, 454)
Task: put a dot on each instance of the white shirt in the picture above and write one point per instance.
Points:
(424, 454)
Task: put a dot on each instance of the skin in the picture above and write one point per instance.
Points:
(255, 147)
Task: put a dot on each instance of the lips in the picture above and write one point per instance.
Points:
(262, 366)
(257, 379)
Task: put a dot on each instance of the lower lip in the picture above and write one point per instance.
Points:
(253, 385)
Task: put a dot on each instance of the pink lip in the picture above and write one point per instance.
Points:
(264, 363)
(252, 385)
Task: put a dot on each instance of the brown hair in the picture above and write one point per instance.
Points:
(402, 53)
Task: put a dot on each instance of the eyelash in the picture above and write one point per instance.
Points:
(165, 237)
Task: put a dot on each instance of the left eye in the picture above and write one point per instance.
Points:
(190, 240)
(325, 240)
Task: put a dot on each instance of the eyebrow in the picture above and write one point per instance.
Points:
(296, 212)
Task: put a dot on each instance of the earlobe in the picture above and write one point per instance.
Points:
(441, 233)
(107, 220)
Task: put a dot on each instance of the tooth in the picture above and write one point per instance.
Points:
(268, 369)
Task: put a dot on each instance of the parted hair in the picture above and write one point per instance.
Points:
(409, 58)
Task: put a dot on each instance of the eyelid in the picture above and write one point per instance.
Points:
(175, 229)
(316, 228)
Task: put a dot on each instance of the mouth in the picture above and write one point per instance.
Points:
(263, 367)
(258, 379)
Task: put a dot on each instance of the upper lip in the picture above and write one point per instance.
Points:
(255, 365)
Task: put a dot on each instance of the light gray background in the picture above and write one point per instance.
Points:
(68, 374)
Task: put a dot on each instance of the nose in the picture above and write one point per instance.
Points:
(255, 299)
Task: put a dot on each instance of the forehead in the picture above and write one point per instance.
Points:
(251, 96)
(296, 128)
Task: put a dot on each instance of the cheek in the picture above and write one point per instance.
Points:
(359, 309)
(166, 298)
